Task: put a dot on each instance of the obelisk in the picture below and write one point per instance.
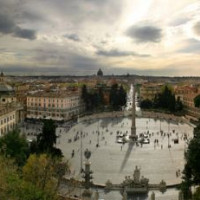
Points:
(133, 127)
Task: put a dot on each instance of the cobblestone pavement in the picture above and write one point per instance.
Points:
(114, 161)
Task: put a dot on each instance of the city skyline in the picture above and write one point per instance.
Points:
(142, 37)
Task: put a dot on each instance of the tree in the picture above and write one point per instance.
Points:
(193, 159)
(122, 96)
(172, 103)
(191, 173)
(165, 100)
(100, 94)
(15, 146)
(6, 169)
(117, 96)
(13, 186)
(179, 104)
(146, 104)
(84, 93)
(114, 96)
(197, 101)
(196, 195)
(44, 173)
(47, 139)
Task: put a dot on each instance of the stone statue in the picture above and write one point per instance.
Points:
(136, 175)
(144, 181)
(152, 196)
(87, 154)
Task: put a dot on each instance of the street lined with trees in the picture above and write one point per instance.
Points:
(96, 99)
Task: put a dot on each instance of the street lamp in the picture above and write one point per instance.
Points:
(81, 153)
(168, 135)
(97, 145)
(168, 140)
(146, 125)
(168, 125)
(160, 125)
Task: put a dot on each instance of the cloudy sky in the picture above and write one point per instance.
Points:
(144, 37)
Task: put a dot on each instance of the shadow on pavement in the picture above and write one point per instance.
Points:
(128, 152)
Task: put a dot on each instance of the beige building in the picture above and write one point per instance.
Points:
(187, 95)
(10, 109)
(148, 91)
(10, 116)
(54, 105)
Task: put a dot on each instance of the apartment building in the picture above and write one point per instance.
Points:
(10, 116)
(148, 91)
(187, 95)
(54, 105)
(10, 109)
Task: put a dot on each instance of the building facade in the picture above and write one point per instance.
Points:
(187, 95)
(56, 106)
(148, 91)
(10, 116)
(10, 109)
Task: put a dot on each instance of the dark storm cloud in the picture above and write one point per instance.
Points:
(25, 33)
(117, 53)
(61, 14)
(79, 12)
(73, 37)
(33, 16)
(196, 28)
(8, 26)
(145, 33)
(62, 57)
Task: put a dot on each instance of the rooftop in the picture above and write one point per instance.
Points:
(54, 94)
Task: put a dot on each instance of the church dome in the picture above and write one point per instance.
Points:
(100, 73)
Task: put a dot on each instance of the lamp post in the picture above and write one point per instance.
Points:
(87, 175)
(160, 125)
(97, 145)
(168, 125)
(147, 125)
(168, 140)
(168, 135)
(81, 153)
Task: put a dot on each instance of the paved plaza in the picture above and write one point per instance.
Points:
(114, 161)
